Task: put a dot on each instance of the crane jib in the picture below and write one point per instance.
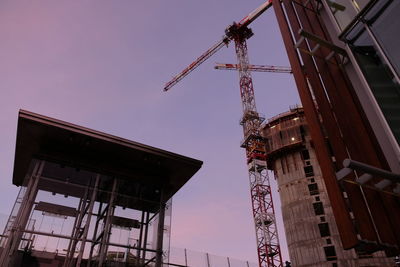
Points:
(196, 63)
(255, 13)
(225, 41)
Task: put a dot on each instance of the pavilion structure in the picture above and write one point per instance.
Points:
(88, 198)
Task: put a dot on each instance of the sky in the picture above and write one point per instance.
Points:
(103, 64)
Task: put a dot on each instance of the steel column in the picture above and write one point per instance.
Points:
(88, 217)
(78, 219)
(146, 233)
(160, 232)
(107, 226)
(139, 241)
(14, 238)
(96, 227)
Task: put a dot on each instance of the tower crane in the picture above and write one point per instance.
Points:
(268, 248)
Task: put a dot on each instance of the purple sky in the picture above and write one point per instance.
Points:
(102, 64)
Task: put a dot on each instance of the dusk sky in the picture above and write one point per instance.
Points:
(103, 64)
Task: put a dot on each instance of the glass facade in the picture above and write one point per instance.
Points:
(386, 30)
(372, 34)
(346, 10)
(380, 78)
(343, 10)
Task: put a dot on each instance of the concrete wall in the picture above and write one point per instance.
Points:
(299, 190)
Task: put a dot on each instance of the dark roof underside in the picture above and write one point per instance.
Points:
(57, 141)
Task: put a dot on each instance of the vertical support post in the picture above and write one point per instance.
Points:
(75, 228)
(107, 226)
(139, 243)
(96, 227)
(186, 261)
(22, 217)
(146, 232)
(127, 250)
(229, 262)
(88, 218)
(12, 218)
(160, 231)
(208, 260)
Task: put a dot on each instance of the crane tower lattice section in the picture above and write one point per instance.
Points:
(268, 248)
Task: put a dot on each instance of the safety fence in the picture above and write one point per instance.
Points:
(181, 257)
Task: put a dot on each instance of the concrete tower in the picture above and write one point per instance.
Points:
(311, 231)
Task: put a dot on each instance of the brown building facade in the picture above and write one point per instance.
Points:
(345, 60)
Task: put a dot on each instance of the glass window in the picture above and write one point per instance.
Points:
(330, 253)
(360, 4)
(283, 164)
(313, 188)
(324, 229)
(386, 30)
(309, 171)
(318, 208)
(294, 161)
(343, 10)
(302, 133)
(380, 79)
(305, 155)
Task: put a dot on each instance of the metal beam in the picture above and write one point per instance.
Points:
(107, 226)
(19, 225)
(88, 217)
(356, 165)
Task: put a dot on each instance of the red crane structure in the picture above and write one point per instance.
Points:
(268, 248)
(250, 67)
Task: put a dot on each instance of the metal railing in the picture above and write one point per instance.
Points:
(182, 257)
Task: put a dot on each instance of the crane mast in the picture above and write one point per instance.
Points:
(268, 249)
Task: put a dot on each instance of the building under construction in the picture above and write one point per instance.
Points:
(88, 198)
(311, 232)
